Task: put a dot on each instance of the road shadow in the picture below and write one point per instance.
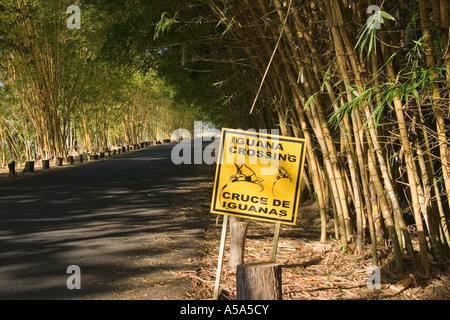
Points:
(122, 221)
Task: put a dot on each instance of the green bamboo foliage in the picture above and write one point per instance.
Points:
(59, 97)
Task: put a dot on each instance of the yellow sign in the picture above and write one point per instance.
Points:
(258, 176)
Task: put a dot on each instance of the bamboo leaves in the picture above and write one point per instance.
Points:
(356, 92)
(369, 30)
(164, 24)
(67, 95)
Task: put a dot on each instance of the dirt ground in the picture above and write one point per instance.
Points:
(312, 271)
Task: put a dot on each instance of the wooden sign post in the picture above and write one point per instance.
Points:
(258, 177)
(220, 261)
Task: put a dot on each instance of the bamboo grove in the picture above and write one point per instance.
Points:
(372, 102)
(60, 97)
(366, 83)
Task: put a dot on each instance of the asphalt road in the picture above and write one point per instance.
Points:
(131, 224)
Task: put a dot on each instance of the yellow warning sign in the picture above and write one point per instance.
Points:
(258, 176)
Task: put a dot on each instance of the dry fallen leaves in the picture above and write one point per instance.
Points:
(312, 270)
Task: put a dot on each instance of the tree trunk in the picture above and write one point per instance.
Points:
(29, 166)
(12, 168)
(259, 281)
